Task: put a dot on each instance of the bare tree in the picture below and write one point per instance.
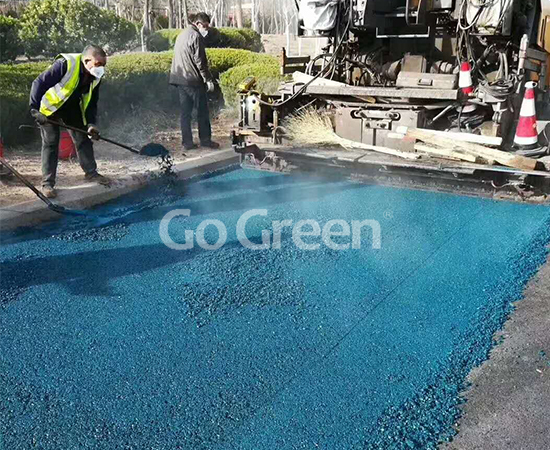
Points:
(146, 27)
(185, 13)
(239, 13)
(170, 13)
(255, 15)
(182, 18)
(216, 9)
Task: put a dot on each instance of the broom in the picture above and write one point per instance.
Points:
(313, 128)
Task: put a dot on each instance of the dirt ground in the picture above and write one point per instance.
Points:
(112, 161)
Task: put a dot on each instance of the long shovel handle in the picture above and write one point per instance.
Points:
(100, 137)
(27, 183)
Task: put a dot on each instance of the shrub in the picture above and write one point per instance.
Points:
(15, 85)
(47, 26)
(118, 33)
(221, 60)
(10, 44)
(132, 81)
(226, 38)
(253, 39)
(267, 77)
(137, 80)
(163, 40)
(245, 39)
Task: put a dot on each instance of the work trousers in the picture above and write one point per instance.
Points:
(50, 147)
(194, 97)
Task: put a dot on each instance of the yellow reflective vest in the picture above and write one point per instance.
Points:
(57, 95)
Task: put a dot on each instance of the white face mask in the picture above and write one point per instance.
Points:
(203, 31)
(97, 72)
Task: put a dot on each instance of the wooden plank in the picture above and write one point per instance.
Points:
(346, 143)
(465, 137)
(506, 159)
(447, 154)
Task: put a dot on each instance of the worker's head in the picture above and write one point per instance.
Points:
(202, 22)
(94, 59)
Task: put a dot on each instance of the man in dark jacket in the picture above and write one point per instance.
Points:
(68, 92)
(191, 75)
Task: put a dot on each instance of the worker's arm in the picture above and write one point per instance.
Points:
(45, 81)
(91, 110)
(199, 55)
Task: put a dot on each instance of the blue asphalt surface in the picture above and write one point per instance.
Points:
(110, 340)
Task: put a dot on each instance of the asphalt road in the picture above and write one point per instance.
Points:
(111, 340)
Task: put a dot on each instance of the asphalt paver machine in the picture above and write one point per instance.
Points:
(452, 83)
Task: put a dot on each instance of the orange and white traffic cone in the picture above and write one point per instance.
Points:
(526, 131)
(466, 84)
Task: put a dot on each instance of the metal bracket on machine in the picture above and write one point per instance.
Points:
(377, 124)
(376, 120)
(375, 114)
(426, 34)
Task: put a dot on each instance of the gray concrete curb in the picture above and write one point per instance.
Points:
(88, 195)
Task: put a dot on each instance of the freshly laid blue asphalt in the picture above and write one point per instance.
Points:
(110, 340)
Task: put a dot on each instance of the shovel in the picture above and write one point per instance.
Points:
(146, 150)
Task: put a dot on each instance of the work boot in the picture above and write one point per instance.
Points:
(190, 146)
(210, 144)
(49, 191)
(99, 179)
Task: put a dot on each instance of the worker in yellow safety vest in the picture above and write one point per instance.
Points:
(68, 92)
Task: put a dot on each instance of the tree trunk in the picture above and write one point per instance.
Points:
(255, 24)
(146, 25)
(143, 39)
(185, 14)
(170, 13)
(239, 13)
(146, 15)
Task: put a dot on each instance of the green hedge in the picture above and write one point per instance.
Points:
(253, 39)
(49, 25)
(267, 77)
(163, 40)
(245, 39)
(132, 81)
(10, 44)
(15, 85)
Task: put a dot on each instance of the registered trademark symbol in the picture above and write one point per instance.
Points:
(388, 215)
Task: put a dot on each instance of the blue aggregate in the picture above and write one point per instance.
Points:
(110, 340)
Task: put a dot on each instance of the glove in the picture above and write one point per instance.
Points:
(93, 132)
(40, 118)
(210, 87)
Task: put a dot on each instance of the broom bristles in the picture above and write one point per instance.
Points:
(311, 127)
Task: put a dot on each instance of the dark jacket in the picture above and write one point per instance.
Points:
(54, 75)
(190, 66)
